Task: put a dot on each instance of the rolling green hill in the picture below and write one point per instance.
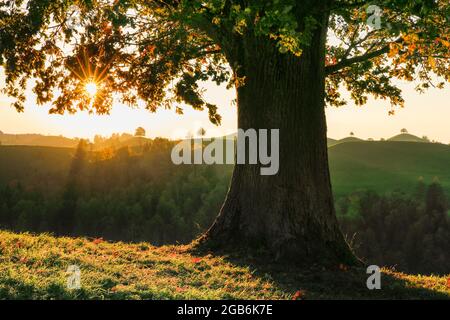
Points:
(121, 142)
(349, 139)
(406, 137)
(45, 164)
(379, 166)
(386, 166)
(36, 140)
(331, 142)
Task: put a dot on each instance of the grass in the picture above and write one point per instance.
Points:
(387, 166)
(34, 267)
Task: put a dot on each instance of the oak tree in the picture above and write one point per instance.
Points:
(287, 60)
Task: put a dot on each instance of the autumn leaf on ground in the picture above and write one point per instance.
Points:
(299, 295)
(97, 241)
(196, 260)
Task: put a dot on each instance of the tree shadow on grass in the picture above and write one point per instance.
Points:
(341, 282)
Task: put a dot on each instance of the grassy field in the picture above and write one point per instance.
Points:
(34, 267)
(387, 166)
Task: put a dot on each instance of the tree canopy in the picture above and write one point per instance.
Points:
(158, 52)
(140, 132)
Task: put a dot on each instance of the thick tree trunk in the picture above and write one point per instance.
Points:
(290, 215)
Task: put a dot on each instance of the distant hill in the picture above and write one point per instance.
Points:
(331, 142)
(386, 166)
(349, 139)
(406, 137)
(118, 141)
(121, 142)
(379, 165)
(47, 165)
(36, 140)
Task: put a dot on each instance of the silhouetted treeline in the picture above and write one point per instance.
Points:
(137, 194)
(408, 231)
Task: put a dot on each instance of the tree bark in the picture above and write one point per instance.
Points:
(290, 215)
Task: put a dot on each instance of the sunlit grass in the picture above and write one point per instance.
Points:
(34, 267)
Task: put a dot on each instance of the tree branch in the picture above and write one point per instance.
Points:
(367, 56)
(348, 62)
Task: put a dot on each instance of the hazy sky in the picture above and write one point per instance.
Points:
(424, 114)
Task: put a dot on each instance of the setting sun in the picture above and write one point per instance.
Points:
(91, 89)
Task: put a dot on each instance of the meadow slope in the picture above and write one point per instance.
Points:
(34, 267)
(385, 166)
(381, 166)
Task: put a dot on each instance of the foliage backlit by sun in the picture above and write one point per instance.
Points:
(92, 77)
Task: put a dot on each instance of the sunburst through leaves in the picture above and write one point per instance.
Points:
(91, 88)
(91, 73)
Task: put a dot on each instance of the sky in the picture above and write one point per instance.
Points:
(424, 114)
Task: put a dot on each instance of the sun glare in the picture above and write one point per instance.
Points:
(91, 89)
